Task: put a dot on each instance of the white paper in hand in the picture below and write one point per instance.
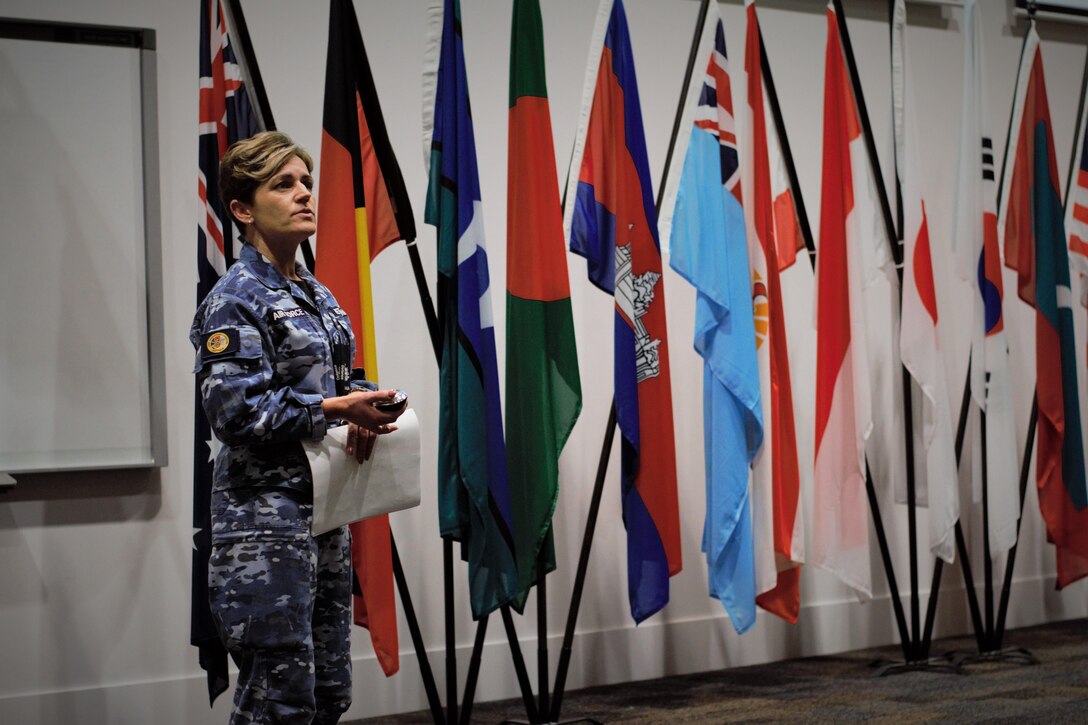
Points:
(346, 491)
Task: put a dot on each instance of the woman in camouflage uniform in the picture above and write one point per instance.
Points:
(274, 354)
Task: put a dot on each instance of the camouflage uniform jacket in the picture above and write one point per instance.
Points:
(267, 354)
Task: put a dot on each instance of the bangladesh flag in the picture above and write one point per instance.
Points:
(543, 391)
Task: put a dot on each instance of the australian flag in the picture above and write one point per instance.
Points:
(225, 117)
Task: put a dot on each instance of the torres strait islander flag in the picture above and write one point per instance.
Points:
(978, 260)
(225, 117)
(473, 491)
(919, 336)
(1031, 219)
(773, 239)
(612, 222)
(363, 207)
(543, 389)
(704, 220)
(840, 529)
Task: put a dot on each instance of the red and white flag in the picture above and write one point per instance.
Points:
(773, 235)
(978, 260)
(919, 340)
(852, 245)
(1076, 203)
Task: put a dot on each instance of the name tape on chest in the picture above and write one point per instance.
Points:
(278, 315)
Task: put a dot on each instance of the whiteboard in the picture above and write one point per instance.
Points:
(80, 292)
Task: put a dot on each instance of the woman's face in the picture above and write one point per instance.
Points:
(283, 206)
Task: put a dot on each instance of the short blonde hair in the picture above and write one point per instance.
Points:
(250, 162)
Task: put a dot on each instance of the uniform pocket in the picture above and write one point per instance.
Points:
(259, 513)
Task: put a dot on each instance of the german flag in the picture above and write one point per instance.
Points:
(363, 207)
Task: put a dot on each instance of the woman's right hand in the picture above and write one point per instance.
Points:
(358, 407)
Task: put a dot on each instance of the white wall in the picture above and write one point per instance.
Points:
(95, 566)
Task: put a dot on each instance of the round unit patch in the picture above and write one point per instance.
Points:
(217, 342)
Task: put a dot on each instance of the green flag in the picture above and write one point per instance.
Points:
(543, 391)
(473, 495)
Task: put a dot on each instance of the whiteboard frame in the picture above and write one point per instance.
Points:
(143, 41)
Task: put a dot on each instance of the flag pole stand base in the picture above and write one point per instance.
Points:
(1012, 655)
(931, 664)
(552, 722)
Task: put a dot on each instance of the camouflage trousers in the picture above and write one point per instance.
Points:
(282, 601)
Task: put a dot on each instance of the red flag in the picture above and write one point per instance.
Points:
(1031, 218)
(776, 499)
(363, 207)
(840, 531)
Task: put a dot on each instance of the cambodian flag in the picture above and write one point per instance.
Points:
(612, 222)
(1031, 219)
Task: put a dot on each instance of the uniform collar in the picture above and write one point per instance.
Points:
(266, 272)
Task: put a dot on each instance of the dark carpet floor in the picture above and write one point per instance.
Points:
(845, 689)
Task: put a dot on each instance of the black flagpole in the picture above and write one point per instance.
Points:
(810, 245)
(247, 58)
(897, 255)
(610, 427)
(914, 647)
(995, 630)
(260, 97)
(787, 154)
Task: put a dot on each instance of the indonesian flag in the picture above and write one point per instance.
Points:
(978, 260)
(773, 238)
(844, 421)
(919, 339)
(1031, 219)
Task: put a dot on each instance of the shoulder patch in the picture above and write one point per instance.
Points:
(221, 342)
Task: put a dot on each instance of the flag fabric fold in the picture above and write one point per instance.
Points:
(844, 420)
(773, 240)
(611, 221)
(363, 207)
(543, 388)
(1076, 198)
(225, 117)
(708, 248)
(919, 336)
(1032, 221)
(978, 260)
(473, 489)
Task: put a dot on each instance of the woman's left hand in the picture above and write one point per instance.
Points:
(360, 442)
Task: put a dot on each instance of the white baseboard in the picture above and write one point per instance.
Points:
(655, 649)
